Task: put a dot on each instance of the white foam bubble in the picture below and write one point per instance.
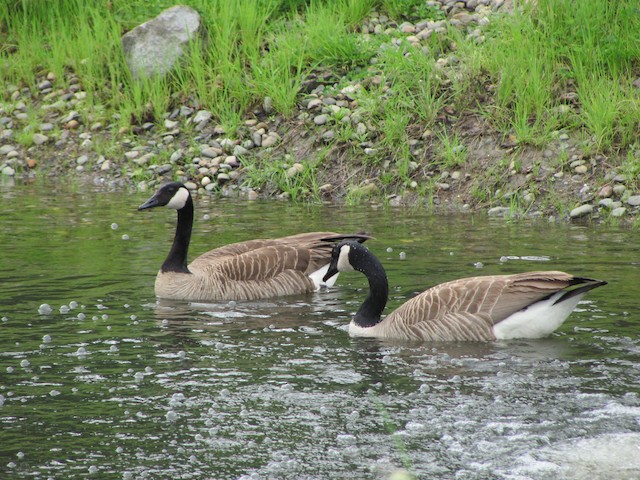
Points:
(45, 309)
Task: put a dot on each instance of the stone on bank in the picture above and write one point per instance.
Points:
(154, 47)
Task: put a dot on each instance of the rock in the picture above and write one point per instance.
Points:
(8, 171)
(4, 149)
(170, 124)
(618, 212)
(499, 211)
(407, 27)
(239, 151)
(232, 161)
(44, 85)
(252, 195)
(581, 211)
(39, 138)
(365, 190)
(326, 188)
(72, 115)
(314, 103)
(581, 169)
(82, 159)
(106, 165)
(320, 119)
(164, 168)
(328, 135)
(154, 47)
(223, 177)
(143, 160)
(619, 178)
(256, 137)
(130, 155)
(175, 156)
(267, 105)
(270, 139)
(227, 144)
(606, 203)
(31, 163)
(634, 200)
(211, 152)
(185, 111)
(202, 116)
(205, 181)
(295, 169)
(606, 191)
(576, 163)
(619, 189)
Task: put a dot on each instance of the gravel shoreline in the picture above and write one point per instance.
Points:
(69, 138)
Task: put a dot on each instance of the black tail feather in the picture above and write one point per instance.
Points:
(587, 284)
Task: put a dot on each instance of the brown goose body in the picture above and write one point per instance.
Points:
(247, 270)
(251, 270)
(524, 305)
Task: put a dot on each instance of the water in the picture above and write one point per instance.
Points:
(111, 384)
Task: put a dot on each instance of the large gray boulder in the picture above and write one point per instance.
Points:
(154, 47)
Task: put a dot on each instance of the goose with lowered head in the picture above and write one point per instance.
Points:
(248, 270)
(524, 305)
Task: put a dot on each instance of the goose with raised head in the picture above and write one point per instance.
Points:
(248, 270)
(524, 305)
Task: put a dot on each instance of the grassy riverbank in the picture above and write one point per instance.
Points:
(533, 108)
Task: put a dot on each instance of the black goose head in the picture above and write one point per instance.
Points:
(173, 195)
(345, 257)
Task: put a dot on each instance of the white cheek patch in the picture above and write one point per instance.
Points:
(179, 200)
(343, 259)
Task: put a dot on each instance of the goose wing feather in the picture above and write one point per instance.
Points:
(305, 252)
(467, 309)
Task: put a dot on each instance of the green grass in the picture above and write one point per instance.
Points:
(552, 65)
(275, 176)
(556, 47)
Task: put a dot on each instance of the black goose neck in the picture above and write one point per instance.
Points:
(371, 309)
(177, 259)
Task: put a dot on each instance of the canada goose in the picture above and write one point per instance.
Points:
(240, 271)
(525, 305)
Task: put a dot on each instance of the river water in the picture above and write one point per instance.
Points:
(112, 384)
